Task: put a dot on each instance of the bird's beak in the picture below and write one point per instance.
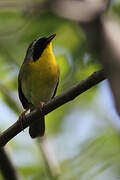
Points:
(49, 39)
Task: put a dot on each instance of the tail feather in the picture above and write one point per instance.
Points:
(38, 128)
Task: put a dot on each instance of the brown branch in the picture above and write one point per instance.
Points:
(58, 101)
(6, 166)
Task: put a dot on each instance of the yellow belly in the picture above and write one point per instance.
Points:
(39, 78)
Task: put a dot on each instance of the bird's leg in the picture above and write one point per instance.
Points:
(22, 117)
(40, 106)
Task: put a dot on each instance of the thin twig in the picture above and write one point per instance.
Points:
(7, 168)
(58, 101)
(48, 155)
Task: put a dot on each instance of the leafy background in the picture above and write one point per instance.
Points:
(83, 134)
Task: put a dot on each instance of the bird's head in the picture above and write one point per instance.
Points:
(37, 47)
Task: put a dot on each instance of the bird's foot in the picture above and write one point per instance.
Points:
(40, 106)
(22, 117)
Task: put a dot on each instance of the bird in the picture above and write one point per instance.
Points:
(38, 80)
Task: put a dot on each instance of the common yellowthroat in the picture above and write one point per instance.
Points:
(38, 79)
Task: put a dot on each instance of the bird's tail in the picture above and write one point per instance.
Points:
(38, 128)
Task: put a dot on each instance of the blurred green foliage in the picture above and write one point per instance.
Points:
(19, 25)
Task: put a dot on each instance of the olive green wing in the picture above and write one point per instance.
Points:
(22, 98)
(55, 89)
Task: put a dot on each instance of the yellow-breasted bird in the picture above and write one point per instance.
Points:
(38, 79)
